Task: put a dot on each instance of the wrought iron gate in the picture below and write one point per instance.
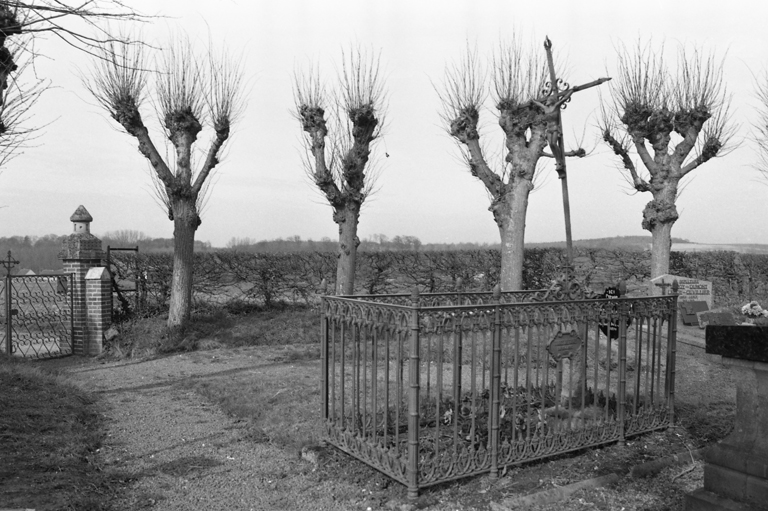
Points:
(36, 314)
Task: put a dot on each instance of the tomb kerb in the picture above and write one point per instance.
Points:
(80, 252)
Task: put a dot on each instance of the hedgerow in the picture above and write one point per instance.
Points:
(300, 277)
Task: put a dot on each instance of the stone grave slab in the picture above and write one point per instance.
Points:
(715, 317)
(690, 290)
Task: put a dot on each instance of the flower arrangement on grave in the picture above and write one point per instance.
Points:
(755, 314)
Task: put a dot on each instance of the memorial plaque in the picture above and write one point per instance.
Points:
(689, 290)
(565, 345)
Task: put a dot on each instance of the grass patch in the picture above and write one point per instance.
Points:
(50, 433)
(221, 327)
(281, 402)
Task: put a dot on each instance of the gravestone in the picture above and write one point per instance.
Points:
(694, 295)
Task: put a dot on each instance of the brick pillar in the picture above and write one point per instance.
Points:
(98, 302)
(80, 252)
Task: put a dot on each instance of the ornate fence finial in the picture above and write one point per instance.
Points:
(497, 291)
(415, 294)
(323, 287)
(675, 286)
(622, 287)
(459, 284)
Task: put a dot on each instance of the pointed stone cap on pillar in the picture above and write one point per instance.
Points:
(82, 219)
(81, 244)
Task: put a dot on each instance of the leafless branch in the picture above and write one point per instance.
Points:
(118, 80)
(463, 92)
(22, 93)
(519, 74)
(180, 89)
(79, 24)
(761, 137)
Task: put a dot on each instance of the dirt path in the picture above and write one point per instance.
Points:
(184, 453)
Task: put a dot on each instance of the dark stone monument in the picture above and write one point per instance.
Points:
(736, 470)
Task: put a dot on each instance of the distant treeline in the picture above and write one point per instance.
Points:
(38, 253)
(375, 243)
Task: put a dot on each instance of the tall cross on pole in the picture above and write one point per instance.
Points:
(553, 101)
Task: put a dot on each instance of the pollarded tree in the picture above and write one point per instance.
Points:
(674, 121)
(191, 93)
(528, 118)
(339, 146)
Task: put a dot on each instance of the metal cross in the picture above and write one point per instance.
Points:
(663, 285)
(8, 263)
(553, 101)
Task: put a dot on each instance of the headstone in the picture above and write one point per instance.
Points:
(689, 290)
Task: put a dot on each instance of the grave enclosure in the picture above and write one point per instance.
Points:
(435, 387)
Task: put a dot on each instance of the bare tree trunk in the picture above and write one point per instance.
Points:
(185, 222)
(348, 243)
(510, 216)
(662, 244)
(659, 216)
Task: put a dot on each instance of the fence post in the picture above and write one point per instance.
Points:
(672, 355)
(495, 383)
(621, 400)
(457, 360)
(413, 400)
(324, 351)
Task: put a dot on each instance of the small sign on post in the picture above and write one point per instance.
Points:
(565, 345)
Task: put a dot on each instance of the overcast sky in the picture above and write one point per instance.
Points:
(261, 190)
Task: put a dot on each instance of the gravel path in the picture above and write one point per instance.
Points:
(184, 452)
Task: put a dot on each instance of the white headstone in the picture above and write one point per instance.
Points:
(689, 290)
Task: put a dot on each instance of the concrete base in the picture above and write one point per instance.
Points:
(703, 500)
(736, 470)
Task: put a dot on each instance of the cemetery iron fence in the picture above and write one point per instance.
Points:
(435, 387)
